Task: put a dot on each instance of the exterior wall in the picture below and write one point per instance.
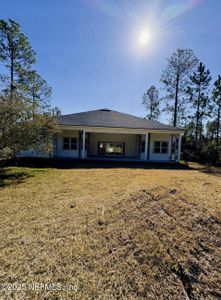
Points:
(59, 151)
(161, 138)
(131, 143)
(33, 153)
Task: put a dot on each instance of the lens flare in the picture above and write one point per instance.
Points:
(148, 23)
(144, 37)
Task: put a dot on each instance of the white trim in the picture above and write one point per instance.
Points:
(179, 147)
(83, 146)
(161, 142)
(171, 147)
(69, 143)
(146, 146)
(160, 156)
(118, 130)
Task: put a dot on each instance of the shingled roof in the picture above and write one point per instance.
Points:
(113, 119)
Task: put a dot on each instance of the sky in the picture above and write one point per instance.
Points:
(106, 53)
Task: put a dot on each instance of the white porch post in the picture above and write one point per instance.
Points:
(83, 145)
(179, 147)
(171, 148)
(146, 146)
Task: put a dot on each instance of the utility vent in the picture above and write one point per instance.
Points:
(105, 109)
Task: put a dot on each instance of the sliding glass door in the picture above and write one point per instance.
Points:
(111, 149)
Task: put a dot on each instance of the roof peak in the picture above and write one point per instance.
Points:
(104, 109)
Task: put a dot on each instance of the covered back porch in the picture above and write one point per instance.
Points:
(117, 144)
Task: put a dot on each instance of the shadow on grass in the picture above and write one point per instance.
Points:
(43, 163)
(9, 177)
(94, 164)
(211, 171)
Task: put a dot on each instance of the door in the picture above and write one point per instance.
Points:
(111, 149)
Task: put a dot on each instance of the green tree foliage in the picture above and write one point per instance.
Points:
(27, 119)
(15, 53)
(175, 78)
(200, 101)
(211, 130)
(190, 103)
(37, 92)
(217, 109)
(151, 103)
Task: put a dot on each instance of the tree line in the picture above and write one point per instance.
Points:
(193, 103)
(27, 119)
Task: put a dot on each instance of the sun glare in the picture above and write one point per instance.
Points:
(144, 38)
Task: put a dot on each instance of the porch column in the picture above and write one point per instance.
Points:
(83, 145)
(146, 146)
(171, 148)
(179, 147)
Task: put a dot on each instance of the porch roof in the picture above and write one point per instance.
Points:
(112, 119)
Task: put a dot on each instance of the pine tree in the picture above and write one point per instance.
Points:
(217, 108)
(37, 92)
(199, 100)
(16, 54)
(27, 119)
(175, 78)
(211, 130)
(151, 103)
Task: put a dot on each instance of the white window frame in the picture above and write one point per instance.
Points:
(161, 147)
(69, 143)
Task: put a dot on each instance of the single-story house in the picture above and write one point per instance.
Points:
(109, 134)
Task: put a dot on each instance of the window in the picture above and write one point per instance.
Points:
(69, 143)
(160, 147)
(156, 147)
(110, 149)
(142, 146)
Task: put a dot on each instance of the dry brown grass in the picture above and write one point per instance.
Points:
(114, 233)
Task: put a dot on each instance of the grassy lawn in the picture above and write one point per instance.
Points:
(114, 233)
